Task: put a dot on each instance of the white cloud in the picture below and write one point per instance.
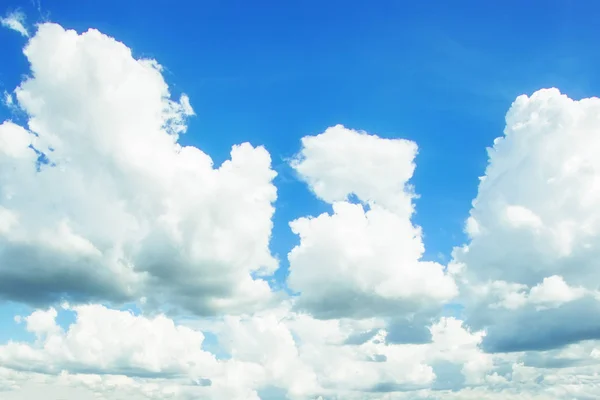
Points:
(356, 261)
(543, 176)
(296, 353)
(8, 100)
(312, 357)
(42, 322)
(109, 341)
(554, 291)
(186, 106)
(340, 162)
(105, 350)
(120, 210)
(15, 21)
(535, 225)
(519, 216)
(108, 353)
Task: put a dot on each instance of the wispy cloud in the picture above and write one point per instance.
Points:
(15, 21)
(8, 99)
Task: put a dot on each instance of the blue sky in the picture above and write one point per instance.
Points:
(442, 74)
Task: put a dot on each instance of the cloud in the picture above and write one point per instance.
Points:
(552, 292)
(274, 353)
(100, 205)
(534, 228)
(311, 357)
(362, 259)
(102, 340)
(340, 162)
(532, 328)
(15, 21)
(301, 356)
(105, 387)
(107, 346)
(101, 202)
(8, 100)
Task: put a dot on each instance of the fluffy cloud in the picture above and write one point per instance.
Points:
(106, 348)
(340, 162)
(363, 258)
(311, 357)
(99, 201)
(104, 340)
(275, 351)
(277, 354)
(534, 228)
(552, 292)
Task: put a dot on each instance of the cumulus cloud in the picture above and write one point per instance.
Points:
(273, 351)
(99, 201)
(362, 258)
(552, 292)
(16, 21)
(277, 354)
(319, 361)
(111, 348)
(534, 226)
(340, 162)
(104, 340)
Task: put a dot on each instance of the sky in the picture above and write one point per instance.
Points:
(302, 200)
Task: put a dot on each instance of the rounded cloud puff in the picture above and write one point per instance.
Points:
(357, 262)
(99, 201)
(534, 227)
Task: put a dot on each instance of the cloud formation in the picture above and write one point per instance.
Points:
(364, 258)
(295, 353)
(277, 354)
(101, 206)
(534, 227)
(15, 21)
(99, 201)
